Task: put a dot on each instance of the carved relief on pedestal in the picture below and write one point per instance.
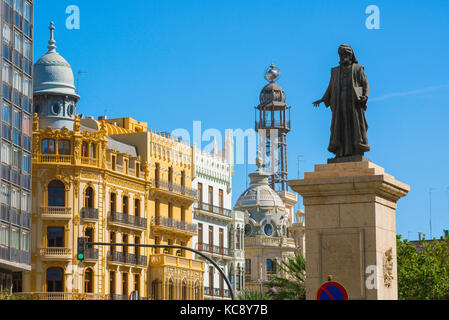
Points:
(388, 267)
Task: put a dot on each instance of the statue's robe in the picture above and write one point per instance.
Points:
(349, 126)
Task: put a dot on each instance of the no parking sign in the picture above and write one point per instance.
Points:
(332, 290)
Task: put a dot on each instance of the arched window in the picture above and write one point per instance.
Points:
(55, 280)
(171, 290)
(88, 280)
(89, 198)
(156, 289)
(56, 194)
(89, 234)
(197, 291)
(184, 290)
(84, 150)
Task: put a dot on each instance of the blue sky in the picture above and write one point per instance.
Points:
(173, 62)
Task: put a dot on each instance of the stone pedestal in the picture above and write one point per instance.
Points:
(350, 228)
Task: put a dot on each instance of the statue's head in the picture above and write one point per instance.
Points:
(347, 55)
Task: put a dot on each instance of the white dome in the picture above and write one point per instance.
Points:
(52, 73)
(259, 194)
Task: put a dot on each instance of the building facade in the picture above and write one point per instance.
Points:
(173, 274)
(267, 240)
(220, 230)
(112, 182)
(16, 118)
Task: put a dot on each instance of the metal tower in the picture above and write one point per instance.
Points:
(272, 124)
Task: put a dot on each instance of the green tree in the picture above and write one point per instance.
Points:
(423, 269)
(289, 283)
(252, 295)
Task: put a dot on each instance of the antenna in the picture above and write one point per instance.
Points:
(430, 211)
(78, 80)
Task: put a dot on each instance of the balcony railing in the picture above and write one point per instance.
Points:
(89, 213)
(217, 292)
(272, 124)
(58, 296)
(56, 251)
(53, 158)
(91, 254)
(56, 211)
(213, 209)
(175, 224)
(128, 258)
(89, 161)
(175, 188)
(127, 219)
(205, 247)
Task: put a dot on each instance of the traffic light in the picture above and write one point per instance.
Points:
(81, 248)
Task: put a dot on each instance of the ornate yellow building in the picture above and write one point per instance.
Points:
(173, 274)
(110, 181)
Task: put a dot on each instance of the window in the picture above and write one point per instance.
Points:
(111, 282)
(220, 201)
(7, 34)
(183, 213)
(25, 241)
(211, 197)
(248, 266)
(6, 116)
(197, 291)
(125, 204)
(112, 239)
(17, 81)
(113, 162)
(89, 234)
(16, 158)
(125, 283)
(171, 290)
(211, 279)
(15, 237)
(27, 87)
(157, 207)
(156, 175)
(15, 198)
(183, 178)
(137, 248)
(84, 150)
(200, 236)
(16, 119)
(4, 235)
(5, 194)
(88, 280)
(170, 175)
(48, 146)
(88, 198)
(137, 283)
(56, 194)
(125, 241)
(25, 202)
(55, 280)
(184, 290)
(137, 207)
(27, 52)
(126, 164)
(17, 282)
(170, 211)
(26, 125)
(155, 289)
(211, 238)
(92, 151)
(64, 147)
(271, 266)
(6, 154)
(6, 73)
(55, 237)
(221, 239)
(200, 194)
(237, 245)
(27, 12)
(113, 202)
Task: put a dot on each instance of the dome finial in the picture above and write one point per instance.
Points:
(51, 44)
(272, 73)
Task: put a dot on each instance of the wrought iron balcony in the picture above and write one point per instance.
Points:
(205, 247)
(126, 219)
(89, 213)
(174, 188)
(128, 258)
(91, 254)
(275, 124)
(213, 209)
(174, 224)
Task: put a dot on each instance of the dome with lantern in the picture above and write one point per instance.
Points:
(54, 91)
(272, 93)
(265, 211)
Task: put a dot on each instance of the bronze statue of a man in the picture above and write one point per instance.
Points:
(347, 96)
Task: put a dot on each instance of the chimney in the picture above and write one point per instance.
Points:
(101, 118)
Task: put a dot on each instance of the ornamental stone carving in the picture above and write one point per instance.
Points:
(388, 267)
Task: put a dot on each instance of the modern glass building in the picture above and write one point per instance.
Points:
(15, 142)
